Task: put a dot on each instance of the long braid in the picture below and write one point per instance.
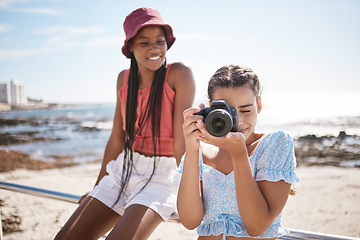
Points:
(155, 101)
(152, 112)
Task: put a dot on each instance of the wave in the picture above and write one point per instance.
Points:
(97, 124)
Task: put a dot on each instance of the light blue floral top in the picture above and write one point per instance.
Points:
(273, 160)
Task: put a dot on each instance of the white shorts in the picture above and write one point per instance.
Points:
(159, 195)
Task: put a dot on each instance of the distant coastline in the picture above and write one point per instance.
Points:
(5, 107)
(30, 106)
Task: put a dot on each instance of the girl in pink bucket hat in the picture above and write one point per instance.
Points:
(136, 188)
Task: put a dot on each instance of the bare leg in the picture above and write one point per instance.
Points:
(91, 220)
(137, 223)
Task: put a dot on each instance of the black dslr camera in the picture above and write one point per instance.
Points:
(219, 118)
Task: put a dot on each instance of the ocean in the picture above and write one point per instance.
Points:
(82, 130)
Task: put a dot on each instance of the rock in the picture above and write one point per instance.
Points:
(11, 160)
(327, 150)
(15, 122)
(11, 223)
(22, 137)
(342, 135)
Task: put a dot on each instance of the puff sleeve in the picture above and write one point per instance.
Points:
(277, 159)
(181, 165)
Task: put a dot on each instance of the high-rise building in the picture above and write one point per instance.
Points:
(13, 93)
(4, 93)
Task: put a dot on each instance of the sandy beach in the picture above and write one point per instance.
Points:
(327, 201)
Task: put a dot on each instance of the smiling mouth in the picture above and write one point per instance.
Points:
(154, 58)
(242, 130)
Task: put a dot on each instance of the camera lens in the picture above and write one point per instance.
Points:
(218, 123)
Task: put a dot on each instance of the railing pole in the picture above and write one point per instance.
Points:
(39, 192)
(294, 234)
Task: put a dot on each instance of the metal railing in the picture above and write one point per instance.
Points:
(40, 192)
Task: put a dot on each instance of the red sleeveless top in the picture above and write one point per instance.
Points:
(143, 142)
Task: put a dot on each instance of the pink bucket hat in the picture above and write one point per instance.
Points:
(140, 18)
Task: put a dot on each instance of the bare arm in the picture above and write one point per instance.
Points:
(115, 144)
(259, 203)
(189, 202)
(180, 78)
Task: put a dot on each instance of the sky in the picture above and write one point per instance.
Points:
(69, 51)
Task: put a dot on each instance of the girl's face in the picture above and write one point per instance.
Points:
(149, 47)
(244, 100)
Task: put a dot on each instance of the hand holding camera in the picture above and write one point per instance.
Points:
(219, 118)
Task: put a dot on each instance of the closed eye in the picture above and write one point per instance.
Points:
(245, 108)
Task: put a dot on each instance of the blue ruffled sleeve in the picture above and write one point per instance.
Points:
(181, 165)
(277, 159)
(201, 163)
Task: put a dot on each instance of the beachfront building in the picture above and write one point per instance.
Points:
(13, 93)
(4, 96)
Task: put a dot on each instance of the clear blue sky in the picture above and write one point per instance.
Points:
(69, 50)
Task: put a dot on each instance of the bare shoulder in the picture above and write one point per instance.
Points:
(180, 74)
(179, 66)
(120, 79)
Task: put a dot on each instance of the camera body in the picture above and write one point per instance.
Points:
(220, 118)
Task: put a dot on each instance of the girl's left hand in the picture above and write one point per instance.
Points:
(233, 142)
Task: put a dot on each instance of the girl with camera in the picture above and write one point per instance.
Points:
(235, 186)
(135, 191)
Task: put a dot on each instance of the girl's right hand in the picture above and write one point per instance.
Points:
(191, 131)
(233, 142)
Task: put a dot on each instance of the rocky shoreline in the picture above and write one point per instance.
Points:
(310, 150)
(12, 160)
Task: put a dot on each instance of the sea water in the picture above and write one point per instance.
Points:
(82, 131)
